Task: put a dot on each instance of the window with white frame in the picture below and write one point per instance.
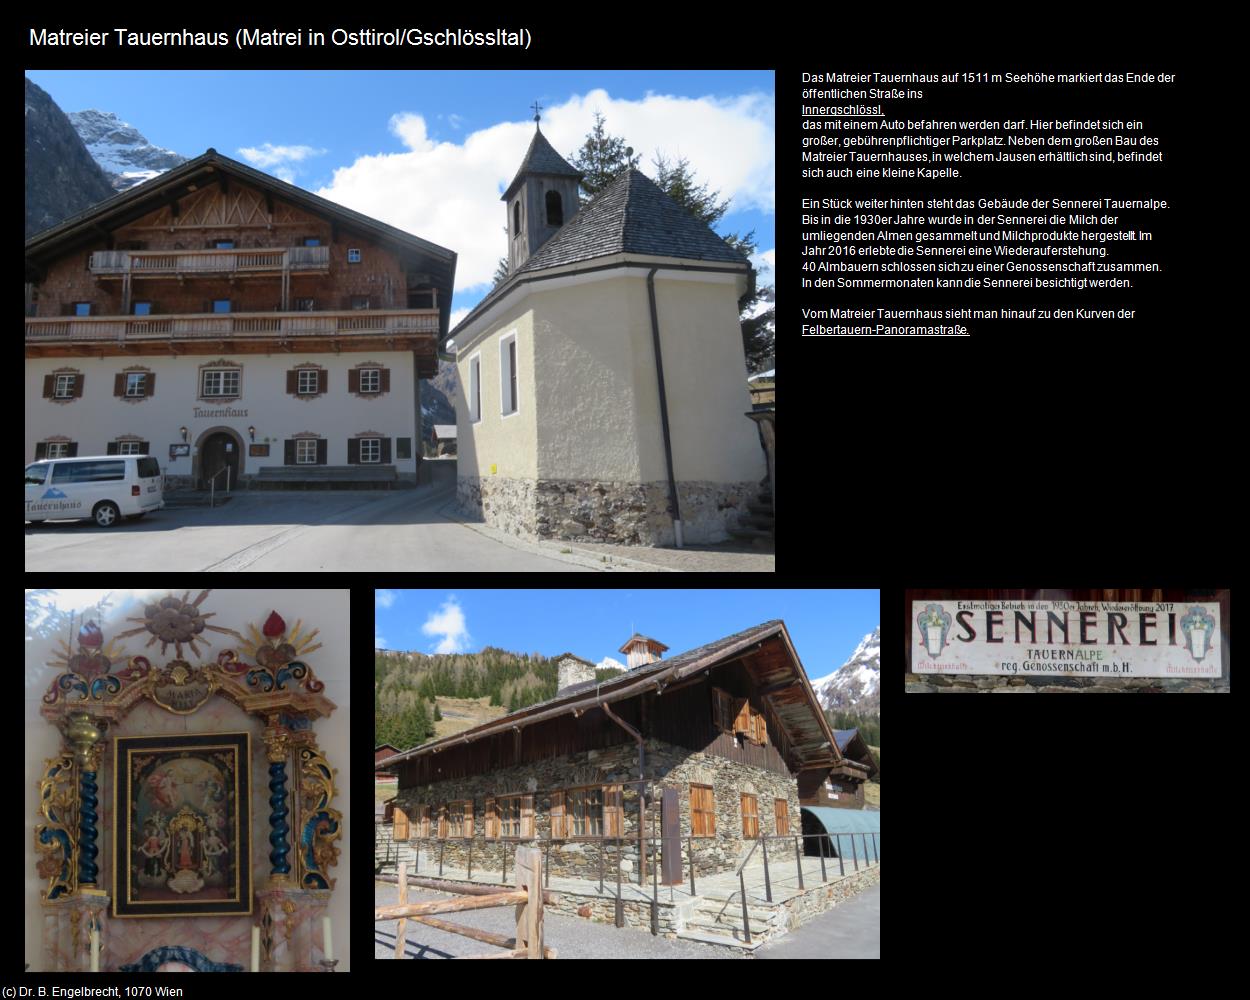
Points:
(64, 386)
(136, 384)
(353, 256)
(129, 447)
(475, 387)
(307, 381)
(219, 382)
(371, 380)
(57, 449)
(371, 449)
(306, 451)
(507, 374)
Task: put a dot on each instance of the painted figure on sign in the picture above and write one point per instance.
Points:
(185, 843)
(213, 849)
(163, 788)
(152, 849)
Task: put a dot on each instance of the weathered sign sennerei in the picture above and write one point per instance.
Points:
(1081, 638)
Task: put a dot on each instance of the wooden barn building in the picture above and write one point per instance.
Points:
(841, 787)
(708, 748)
(234, 327)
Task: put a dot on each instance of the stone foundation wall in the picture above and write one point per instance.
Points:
(622, 513)
(667, 766)
(819, 898)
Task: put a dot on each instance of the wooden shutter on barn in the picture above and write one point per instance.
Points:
(613, 811)
(323, 381)
(78, 381)
(149, 384)
(384, 380)
(492, 820)
(321, 452)
(742, 716)
(782, 812)
(353, 451)
(353, 380)
(750, 818)
(49, 384)
(442, 821)
(527, 816)
(292, 382)
(401, 824)
(423, 821)
(119, 384)
(557, 816)
(467, 825)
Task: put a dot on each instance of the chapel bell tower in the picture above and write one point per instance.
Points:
(541, 198)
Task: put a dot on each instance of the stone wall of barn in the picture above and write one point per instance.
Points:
(667, 766)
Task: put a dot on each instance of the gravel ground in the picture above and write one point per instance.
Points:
(570, 936)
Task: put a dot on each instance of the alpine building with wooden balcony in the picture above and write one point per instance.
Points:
(284, 330)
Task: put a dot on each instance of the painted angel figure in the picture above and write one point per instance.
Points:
(153, 848)
(213, 792)
(163, 788)
(213, 848)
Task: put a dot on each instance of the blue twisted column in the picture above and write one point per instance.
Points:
(85, 734)
(277, 739)
(87, 830)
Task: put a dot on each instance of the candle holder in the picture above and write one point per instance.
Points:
(329, 966)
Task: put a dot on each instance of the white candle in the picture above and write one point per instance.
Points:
(256, 949)
(95, 950)
(325, 933)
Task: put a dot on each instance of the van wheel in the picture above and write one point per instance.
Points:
(106, 514)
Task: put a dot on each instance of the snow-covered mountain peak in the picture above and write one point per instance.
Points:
(857, 683)
(120, 149)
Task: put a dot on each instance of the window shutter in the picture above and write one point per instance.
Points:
(385, 380)
(424, 814)
(119, 384)
(292, 383)
(527, 816)
(41, 450)
(49, 382)
(78, 381)
(112, 448)
(353, 380)
(323, 381)
(149, 384)
(353, 451)
(321, 452)
(386, 451)
(401, 824)
(145, 447)
(613, 811)
(557, 815)
(72, 451)
(288, 453)
(468, 819)
(742, 716)
(492, 830)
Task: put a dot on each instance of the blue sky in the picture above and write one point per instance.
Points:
(826, 625)
(430, 152)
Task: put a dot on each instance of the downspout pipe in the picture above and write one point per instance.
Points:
(674, 510)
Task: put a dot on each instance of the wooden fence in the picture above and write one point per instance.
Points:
(528, 898)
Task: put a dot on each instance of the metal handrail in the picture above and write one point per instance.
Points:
(212, 484)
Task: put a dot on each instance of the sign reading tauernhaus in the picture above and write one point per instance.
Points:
(1080, 638)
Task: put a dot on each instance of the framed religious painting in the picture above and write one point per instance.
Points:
(181, 840)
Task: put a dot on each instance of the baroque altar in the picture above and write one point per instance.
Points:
(156, 839)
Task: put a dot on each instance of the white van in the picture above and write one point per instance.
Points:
(103, 487)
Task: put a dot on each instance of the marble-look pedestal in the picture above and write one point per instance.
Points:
(67, 932)
(290, 929)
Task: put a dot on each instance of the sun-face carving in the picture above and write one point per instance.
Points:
(174, 621)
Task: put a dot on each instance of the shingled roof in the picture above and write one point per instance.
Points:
(632, 215)
(541, 158)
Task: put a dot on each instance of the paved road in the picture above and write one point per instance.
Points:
(850, 930)
(572, 937)
(293, 531)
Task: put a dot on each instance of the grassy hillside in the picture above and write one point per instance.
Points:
(460, 714)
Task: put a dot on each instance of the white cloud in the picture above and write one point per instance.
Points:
(384, 598)
(284, 174)
(379, 642)
(448, 192)
(457, 315)
(765, 264)
(448, 623)
(269, 155)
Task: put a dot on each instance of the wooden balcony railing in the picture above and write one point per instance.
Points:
(125, 329)
(154, 263)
